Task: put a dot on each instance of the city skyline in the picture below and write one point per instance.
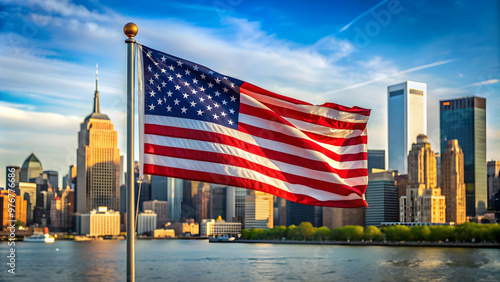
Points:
(348, 54)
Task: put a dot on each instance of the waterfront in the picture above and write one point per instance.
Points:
(197, 260)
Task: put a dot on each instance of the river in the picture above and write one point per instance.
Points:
(198, 260)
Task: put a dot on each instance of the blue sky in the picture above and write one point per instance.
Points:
(345, 52)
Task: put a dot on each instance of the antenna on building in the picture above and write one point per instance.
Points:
(96, 76)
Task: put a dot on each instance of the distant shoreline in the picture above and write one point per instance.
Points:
(383, 244)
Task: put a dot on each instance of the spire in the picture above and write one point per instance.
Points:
(97, 105)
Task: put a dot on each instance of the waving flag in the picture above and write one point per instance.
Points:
(198, 124)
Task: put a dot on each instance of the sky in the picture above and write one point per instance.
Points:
(345, 52)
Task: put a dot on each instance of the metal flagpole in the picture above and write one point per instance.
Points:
(130, 31)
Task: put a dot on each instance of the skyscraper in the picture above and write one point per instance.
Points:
(452, 182)
(11, 170)
(382, 198)
(98, 162)
(259, 210)
(376, 159)
(493, 181)
(31, 169)
(464, 119)
(407, 118)
(297, 213)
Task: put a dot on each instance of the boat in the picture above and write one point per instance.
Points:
(223, 238)
(39, 238)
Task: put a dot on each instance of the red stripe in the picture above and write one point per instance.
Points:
(243, 163)
(256, 89)
(311, 118)
(254, 149)
(243, 182)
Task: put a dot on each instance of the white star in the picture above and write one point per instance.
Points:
(224, 102)
(200, 112)
(194, 91)
(217, 93)
(223, 114)
(233, 98)
(163, 59)
(169, 93)
(230, 122)
(203, 76)
(209, 108)
(163, 70)
(176, 101)
(149, 68)
(216, 116)
(195, 81)
(210, 85)
(209, 97)
(152, 93)
(179, 63)
(195, 67)
(183, 109)
(149, 54)
(157, 75)
(159, 88)
(171, 67)
(202, 89)
(210, 72)
(169, 109)
(231, 111)
(177, 87)
(151, 107)
(156, 63)
(163, 84)
(232, 85)
(201, 99)
(225, 89)
(217, 80)
(170, 78)
(216, 105)
(185, 95)
(186, 83)
(178, 75)
(159, 101)
(188, 72)
(193, 104)
(151, 81)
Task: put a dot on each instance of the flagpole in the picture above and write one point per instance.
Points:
(130, 31)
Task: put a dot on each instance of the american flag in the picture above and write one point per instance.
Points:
(198, 124)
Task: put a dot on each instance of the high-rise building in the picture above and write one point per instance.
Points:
(100, 222)
(13, 170)
(407, 117)
(56, 213)
(464, 119)
(28, 193)
(68, 207)
(98, 162)
(160, 208)
(381, 197)
(452, 182)
(338, 217)
(6, 204)
(235, 204)
(146, 222)
(259, 210)
(159, 188)
(493, 181)
(423, 202)
(376, 159)
(297, 213)
(31, 169)
(196, 200)
(218, 202)
(53, 178)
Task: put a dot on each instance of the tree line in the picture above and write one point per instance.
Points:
(466, 232)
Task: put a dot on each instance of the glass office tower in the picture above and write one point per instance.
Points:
(464, 119)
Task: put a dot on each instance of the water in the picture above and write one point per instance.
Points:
(196, 260)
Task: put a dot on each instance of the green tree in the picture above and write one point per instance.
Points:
(372, 233)
(397, 233)
(245, 234)
(257, 233)
(306, 230)
(420, 233)
(293, 233)
(322, 233)
(352, 232)
(465, 232)
(495, 233)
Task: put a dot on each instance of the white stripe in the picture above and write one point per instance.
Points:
(309, 109)
(234, 171)
(267, 162)
(263, 143)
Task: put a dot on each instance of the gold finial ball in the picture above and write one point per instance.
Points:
(130, 30)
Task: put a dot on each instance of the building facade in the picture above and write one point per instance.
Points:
(98, 162)
(160, 208)
(407, 118)
(493, 183)
(28, 192)
(212, 227)
(146, 222)
(376, 159)
(464, 119)
(452, 182)
(5, 205)
(100, 222)
(31, 169)
(381, 197)
(259, 210)
(338, 217)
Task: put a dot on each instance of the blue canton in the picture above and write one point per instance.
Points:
(179, 88)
